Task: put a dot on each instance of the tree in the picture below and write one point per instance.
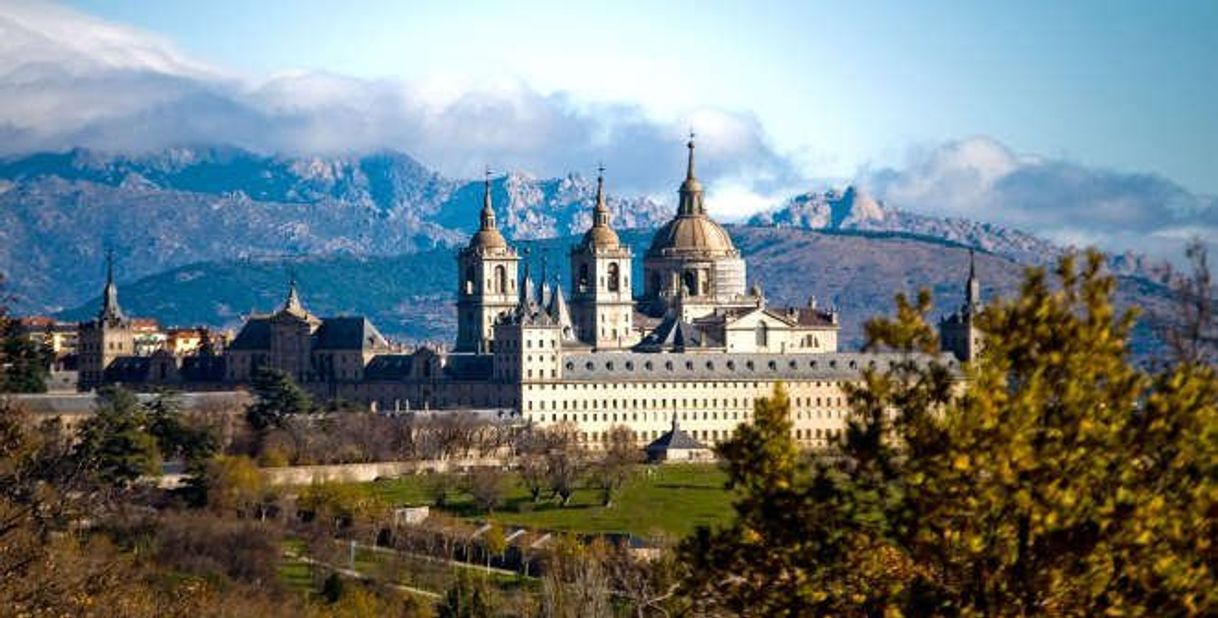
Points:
(487, 486)
(575, 583)
(531, 446)
(614, 468)
(468, 598)
(564, 461)
(25, 362)
(439, 485)
(232, 483)
(1058, 479)
(494, 542)
(1192, 329)
(648, 586)
(115, 443)
(195, 444)
(277, 398)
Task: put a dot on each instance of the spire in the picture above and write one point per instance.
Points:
(488, 212)
(292, 304)
(691, 189)
(557, 308)
(973, 288)
(526, 287)
(110, 309)
(600, 214)
(689, 166)
(543, 285)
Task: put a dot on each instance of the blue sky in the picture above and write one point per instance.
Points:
(1124, 85)
(1085, 122)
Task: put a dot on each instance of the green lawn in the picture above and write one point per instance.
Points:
(672, 501)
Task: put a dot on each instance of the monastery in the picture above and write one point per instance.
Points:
(693, 347)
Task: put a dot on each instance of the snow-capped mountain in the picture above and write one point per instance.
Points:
(854, 209)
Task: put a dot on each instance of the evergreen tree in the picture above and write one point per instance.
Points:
(277, 398)
(1057, 479)
(115, 443)
(26, 363)
(175, 436)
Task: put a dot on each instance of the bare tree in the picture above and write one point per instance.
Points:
(487, 486)
(1192, 329)
(564, 461)
(531, 446)
(649, 586)
(617, 464)
(575, 583)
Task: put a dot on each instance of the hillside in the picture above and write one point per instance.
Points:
(59, 211)
(410, 296)
(855, 209)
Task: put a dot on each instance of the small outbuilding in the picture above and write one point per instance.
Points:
(677, 445)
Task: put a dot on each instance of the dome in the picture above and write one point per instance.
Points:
(488, 239)
(601, 237)
(692, 236)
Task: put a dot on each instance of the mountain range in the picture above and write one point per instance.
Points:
(410, 297)
(60, 211)
(210, 234)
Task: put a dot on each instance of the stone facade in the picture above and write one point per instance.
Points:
(695, 348)
(106, 338)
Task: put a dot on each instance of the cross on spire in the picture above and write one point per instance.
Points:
(689, 169)
(488, 211)
(600, 212)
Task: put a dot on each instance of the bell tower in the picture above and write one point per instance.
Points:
(487, 281)
(106, 337)
(602, 306)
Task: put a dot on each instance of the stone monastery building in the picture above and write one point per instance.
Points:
(695, 347)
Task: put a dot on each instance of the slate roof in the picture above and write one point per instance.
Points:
(203, 368)
(348, 333)
(254, 335)
(720, 365)
(128, 369)
(673, 334)
(470, 366)
(341, 333)
(389, 367)
(675, 439)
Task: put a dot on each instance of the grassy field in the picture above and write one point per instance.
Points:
(671, 501)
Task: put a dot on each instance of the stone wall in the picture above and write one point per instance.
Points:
(365, 472)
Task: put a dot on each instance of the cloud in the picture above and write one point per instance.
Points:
(68, 79)
(982, 179)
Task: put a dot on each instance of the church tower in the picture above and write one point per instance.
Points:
(691, 261)
(106, 337)
(958, 332)
(291, 341)
(602, 306)
(487, 291)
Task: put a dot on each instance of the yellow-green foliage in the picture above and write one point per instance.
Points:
(1062, 480)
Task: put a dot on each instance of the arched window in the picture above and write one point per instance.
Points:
(500, 279)
(763, 335)
(582, 283)
(614, 277)
(690, 282)
(469, 280)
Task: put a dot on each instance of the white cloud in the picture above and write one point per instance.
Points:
(68, 79)
(981, 179)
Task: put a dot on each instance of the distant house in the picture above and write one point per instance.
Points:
(677, 445)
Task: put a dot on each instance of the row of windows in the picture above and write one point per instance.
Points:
(712, 435)
(661, 417)
(665, 385)
(710, 365)
(684, 402)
